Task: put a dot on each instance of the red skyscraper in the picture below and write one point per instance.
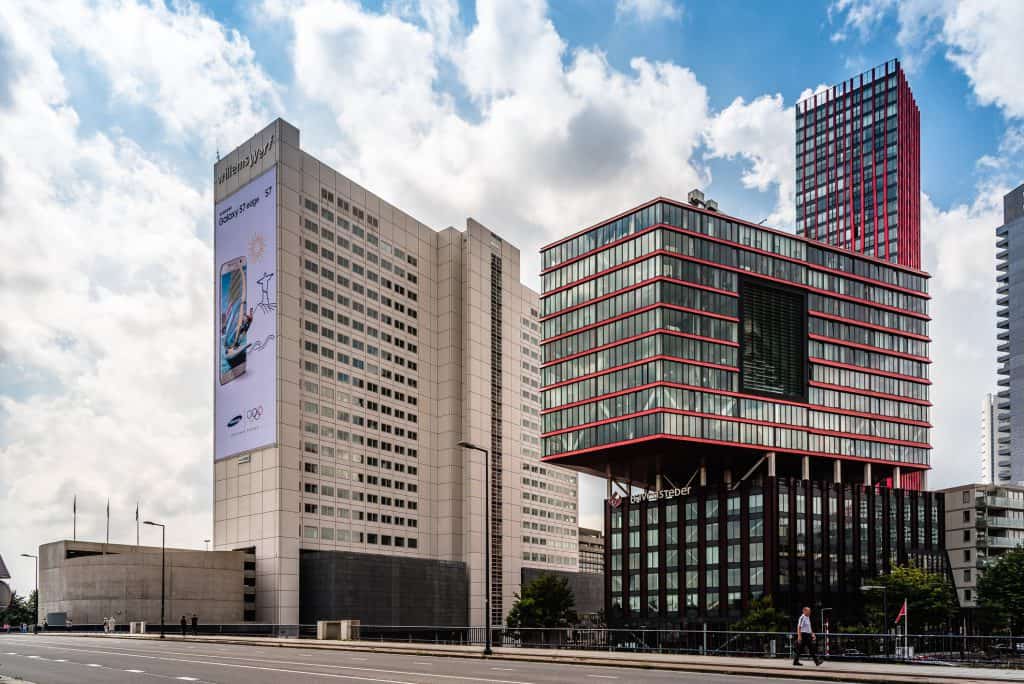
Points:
(858, 166)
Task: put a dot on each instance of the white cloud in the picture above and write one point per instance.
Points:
(200, 79)
(544, 138)
(760, 131)
(647, 10)
(860, 15)
(984, 40)
(104, 278)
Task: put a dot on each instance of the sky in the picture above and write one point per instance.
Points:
(534, 118)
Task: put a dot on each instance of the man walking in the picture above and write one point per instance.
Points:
(195, 625)
(805, 638)
(184, 625)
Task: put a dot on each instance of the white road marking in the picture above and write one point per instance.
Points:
(602, 676)
(504, 669)
(289, 662)
(187, 679)
(422, 663)
(94, 665)
(31, 656)
(60, 660)
(136, 671)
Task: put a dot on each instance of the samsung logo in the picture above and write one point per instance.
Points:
(245, 162)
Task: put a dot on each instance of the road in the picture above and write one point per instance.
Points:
(87, 660)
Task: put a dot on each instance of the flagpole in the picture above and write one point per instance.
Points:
(74, 519)
(136, 523)
(108, 520)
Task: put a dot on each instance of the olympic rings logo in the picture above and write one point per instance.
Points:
(254, 413)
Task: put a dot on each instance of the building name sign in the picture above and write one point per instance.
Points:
(663, 494)
(245, 162)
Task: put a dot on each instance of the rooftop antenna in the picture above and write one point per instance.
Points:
(761, 222)
(218, 153)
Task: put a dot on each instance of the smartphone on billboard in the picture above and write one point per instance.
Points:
(235, 320)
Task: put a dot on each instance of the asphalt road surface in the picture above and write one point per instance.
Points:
(86, 660)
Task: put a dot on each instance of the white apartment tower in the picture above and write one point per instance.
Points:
(989, 439)
(392, 342)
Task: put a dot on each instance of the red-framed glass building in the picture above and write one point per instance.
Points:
(747, 381)
(858, 166)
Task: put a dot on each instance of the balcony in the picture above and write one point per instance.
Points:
(1002, 255)
(1003, 347)
(1000, 522)
(1002, 243)
(1002, 543)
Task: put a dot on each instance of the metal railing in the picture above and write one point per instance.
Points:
(1003, 651)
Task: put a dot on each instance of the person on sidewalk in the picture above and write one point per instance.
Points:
(195, 625)
(805, 638)
(184, 625)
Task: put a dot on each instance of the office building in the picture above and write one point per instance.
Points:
(990, 424)
(858, 166)
(358, 347)
(769, 395)
(1010, 340)
(983, 521)
(89, 581)
(591, 551)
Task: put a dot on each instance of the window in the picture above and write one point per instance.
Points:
(773, 340)
(967, 574)
(967, 535)
(967, 555)
(967, 516)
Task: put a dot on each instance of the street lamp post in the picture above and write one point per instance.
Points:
(885, 610)
(487, 544)
(207, 542)
(163, 568)
(36, 558)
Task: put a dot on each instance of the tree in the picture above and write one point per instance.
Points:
(545, 602)
(1001, 590)
(763, 616)
(21, 610)
(931, 600)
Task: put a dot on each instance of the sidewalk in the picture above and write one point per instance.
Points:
(762, 667)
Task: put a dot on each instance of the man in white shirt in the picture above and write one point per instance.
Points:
(805, 638)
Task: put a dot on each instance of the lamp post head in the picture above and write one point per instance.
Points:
(29, 555)
(154, 524)
(468, 445)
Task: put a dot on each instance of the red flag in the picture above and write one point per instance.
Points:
(903, 612)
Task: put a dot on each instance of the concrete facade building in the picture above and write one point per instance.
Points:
(89, 581)
(858, 166)
(1010, 340)
(396, 342)
(983, 521)
(988, 454)
(591, 551)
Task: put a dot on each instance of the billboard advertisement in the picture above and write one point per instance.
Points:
(245, 373)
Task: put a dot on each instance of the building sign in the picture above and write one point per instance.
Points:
(254, 156)
(245, 376)
(615, 501)
(663, 494)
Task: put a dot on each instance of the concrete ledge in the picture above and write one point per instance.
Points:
(831, 671)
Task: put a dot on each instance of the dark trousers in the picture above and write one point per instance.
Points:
(808, 645)
(183, 629)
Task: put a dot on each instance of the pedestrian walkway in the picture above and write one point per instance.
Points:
(834, 671)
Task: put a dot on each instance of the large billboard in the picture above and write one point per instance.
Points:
(245, 377)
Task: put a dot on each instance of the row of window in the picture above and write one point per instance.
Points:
(700, 222)
(866, 336)
(327, 511)
(674, 398)
(866, 314)
(661, 265)
(660, 344)
(659, 292)
(343, 535)
(326, 371)
(385, 247)
(662, 370)
(866, 359)
(652, 319)
(869, 382)
(694, 427)
(325, 490)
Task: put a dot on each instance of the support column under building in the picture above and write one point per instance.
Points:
(771, 463)
(868, 480)
(805, 468)
(837, 471)
(896, 477)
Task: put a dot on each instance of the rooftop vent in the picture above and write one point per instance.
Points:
(711, 205)
(695, 197)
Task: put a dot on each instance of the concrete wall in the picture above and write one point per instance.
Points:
(124, 582)
(587, 587)
(382, 589)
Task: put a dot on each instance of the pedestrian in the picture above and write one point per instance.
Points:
(805, 638)
(106, 625)
(68, 627)
(113, 624)
(184, 625)
(195, 625)
(45, 624)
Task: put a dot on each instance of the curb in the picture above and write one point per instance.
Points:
(815, 674)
